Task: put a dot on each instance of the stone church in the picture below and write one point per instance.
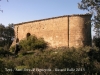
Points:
(68, 30)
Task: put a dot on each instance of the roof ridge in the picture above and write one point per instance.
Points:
(53, 18)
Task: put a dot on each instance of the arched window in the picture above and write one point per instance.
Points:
(28, 34)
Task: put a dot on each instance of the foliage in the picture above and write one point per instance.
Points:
(6, 35)
(12, 49)
(32, 42)
(2, 68)
(96, 41)
(84, 60)
(4, 53)
(23, 52)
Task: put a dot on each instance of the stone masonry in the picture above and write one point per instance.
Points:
(67, 30)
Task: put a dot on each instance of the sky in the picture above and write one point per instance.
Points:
(17, 11)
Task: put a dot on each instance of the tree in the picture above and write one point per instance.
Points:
(2, 27)
(9, 34)
(96, 41)
(6, 35)
(93, 6)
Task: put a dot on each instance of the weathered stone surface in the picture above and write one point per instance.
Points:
(68, 30)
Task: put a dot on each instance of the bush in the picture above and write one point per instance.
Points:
(96, 41)
(32, 43)
(58, 58)
(40, 44)
(1, 49)
(12, 48)
(2, 68)
(23, 52)
(4, 53)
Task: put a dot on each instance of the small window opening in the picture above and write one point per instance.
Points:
(28, 34)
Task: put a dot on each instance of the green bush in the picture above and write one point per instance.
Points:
(12, 48)
(57, 58)
(4, 53)
(1, 49)
(96, 41)
(23, 52)
(2, 68)
(32, 43)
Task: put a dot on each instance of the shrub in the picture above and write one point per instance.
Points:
(57, 58)
(12, 48)
(40, 44)
(1, 49)
(96, 41)
(23, 52)
(32, 43)
(4, 52)
(2, 68)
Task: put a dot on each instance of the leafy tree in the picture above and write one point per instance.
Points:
(9, 34)
(2, 27)
(96, 41)
(6, 35)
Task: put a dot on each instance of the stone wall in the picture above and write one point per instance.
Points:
(79, 31)
(68, 30)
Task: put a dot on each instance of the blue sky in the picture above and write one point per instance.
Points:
(16, 11)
